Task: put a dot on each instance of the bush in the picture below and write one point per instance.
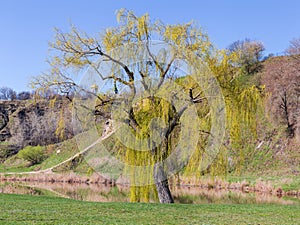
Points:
(33, 154)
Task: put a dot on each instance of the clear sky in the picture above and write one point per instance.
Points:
(27, 25)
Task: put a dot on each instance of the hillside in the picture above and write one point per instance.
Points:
(276, 152)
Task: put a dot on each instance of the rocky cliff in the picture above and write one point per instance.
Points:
(31, 122)
(7, 108)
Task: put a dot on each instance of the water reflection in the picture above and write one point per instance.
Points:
(104, 193)
(79, 191)
(196, 195)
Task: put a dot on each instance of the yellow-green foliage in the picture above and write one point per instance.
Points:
(243, 108)
(33, 154)
(52, 102)
(243, 105)
(144, 159)
(60, 130)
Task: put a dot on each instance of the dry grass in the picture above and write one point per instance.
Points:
(69, 177)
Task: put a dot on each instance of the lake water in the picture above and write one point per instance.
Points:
(104, 193)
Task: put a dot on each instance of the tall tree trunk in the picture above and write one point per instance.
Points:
(162, 184)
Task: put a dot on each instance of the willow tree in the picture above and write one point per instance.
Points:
(156, 81)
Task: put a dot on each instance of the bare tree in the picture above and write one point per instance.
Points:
(294, 48)
(282, 80)
(7, 93)
(249, 54)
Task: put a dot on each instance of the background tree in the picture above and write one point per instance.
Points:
(7, 93)
(24, 95)
(294, 52)
(249, 54)
(294, 48)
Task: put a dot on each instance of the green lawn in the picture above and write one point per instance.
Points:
(25, 209)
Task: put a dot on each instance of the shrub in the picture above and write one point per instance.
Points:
(33, 154)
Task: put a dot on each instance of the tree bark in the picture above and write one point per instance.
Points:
(162, 184)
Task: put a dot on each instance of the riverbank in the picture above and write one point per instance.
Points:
(263, 186)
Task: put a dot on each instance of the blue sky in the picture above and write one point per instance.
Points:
(27, 26)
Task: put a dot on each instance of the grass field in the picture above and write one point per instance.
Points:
(26, 209)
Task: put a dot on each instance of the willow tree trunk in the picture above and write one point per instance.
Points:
(162, 185)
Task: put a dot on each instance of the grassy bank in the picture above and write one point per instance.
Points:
(25, 209)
